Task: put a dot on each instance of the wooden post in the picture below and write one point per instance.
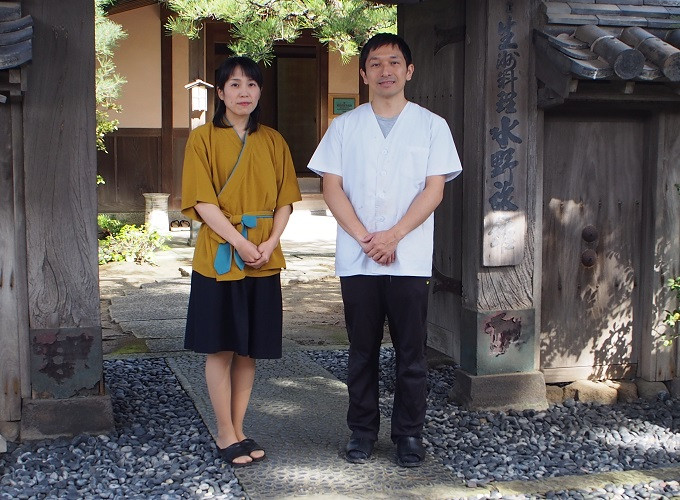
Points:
(10, 371)
(61, 230)
(501, 229)
(14, 365)
(165, 181)
(198, 107)
(197, 74)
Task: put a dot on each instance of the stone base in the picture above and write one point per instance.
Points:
(3, 444)
(674, 387)
(51, 418)
(10, 431)
(509, 391)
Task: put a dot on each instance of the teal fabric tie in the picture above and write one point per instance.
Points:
(225, 251)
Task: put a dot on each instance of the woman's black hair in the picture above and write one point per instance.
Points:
(224, 71)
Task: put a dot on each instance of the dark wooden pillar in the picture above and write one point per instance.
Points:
(14, 378)
(501, 228)
(67, 390)
(166, 171)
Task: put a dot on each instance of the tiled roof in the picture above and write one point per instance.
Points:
(15, 36)
(661, 14)
(626, 40)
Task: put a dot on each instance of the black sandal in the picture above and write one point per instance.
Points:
(233, 451)
(410, 451)
(359, 450)
(250, 445)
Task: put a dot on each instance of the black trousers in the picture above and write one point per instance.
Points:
(367, 300)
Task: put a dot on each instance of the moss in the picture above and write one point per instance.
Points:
(136, 346)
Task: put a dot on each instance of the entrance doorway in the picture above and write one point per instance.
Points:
(294, 94)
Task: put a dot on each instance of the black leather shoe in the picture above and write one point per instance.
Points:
(410, 451)
(358, 450)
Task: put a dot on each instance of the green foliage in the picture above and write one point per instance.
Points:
(126, 242)
(107, 83)
(108, 226)
(672, 319)
(343, 24)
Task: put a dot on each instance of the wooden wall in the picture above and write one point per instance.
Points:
(434, 31)
(133, 166)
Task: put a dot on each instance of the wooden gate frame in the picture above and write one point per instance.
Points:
(54, 376)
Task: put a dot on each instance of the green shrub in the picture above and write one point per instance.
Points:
(672, 318)
(108, 226)
(130, 244)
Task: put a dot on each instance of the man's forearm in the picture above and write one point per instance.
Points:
(422, 206)
(341, 207)
(384, 243)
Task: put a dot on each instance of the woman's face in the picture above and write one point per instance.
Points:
(240, 95)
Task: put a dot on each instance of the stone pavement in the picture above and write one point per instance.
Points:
(297, 409)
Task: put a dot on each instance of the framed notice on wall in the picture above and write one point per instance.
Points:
(341, 103)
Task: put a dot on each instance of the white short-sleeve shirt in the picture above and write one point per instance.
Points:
(381, 176)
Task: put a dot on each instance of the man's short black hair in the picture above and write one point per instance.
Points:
(380, 40)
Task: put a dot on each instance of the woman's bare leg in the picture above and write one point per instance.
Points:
(218, 376)
(242, 378)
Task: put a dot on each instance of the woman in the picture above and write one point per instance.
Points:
(239, 181)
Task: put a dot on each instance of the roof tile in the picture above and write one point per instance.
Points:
(621, 2)
(571, 19)
(622, 21)
(557, 8)
(664, 23)
(665, 3)
(594, 9)
(644, 10)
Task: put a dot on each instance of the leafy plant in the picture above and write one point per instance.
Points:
(672, 318)
(108, 226)
(130, 244)
(344, 24)
(107, 82)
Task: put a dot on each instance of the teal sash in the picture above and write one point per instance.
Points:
(225, 252)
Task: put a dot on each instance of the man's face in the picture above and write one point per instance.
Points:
(386, 71)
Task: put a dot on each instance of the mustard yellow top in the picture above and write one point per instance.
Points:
(263, 181)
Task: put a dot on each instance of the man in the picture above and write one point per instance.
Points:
(384, 166)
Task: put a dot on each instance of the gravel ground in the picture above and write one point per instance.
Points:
(567, 439)
(160, 448)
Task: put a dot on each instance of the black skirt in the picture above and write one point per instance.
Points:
(244, 316)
